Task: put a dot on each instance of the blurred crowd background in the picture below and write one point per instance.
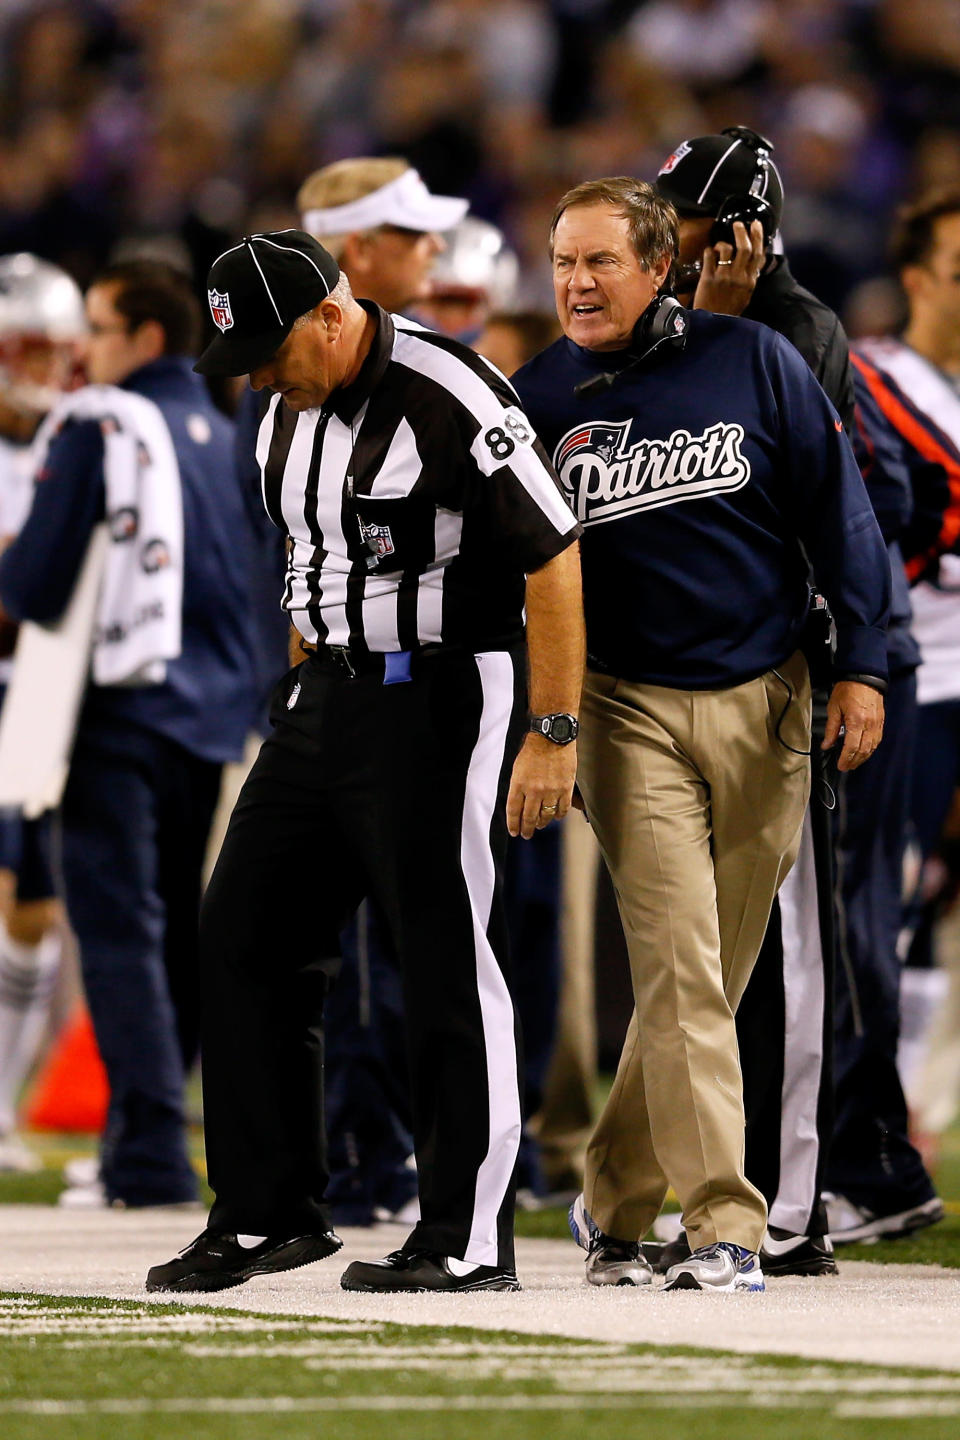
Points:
(141, 125)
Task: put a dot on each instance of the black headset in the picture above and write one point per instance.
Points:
(663, 324)
(753, 204)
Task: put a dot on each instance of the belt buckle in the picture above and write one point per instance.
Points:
(342, 656)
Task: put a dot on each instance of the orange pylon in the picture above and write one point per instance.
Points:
(70, 1091)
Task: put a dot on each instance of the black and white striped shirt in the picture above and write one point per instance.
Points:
(416, 500)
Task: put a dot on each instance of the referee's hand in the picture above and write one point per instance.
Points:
(541, 784)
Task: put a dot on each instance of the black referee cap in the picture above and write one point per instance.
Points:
(257, 289)
(702, 173)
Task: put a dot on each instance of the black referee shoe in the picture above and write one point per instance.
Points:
(662, 1255)
(411, 1270)
(783, 1253)
(215, 1262)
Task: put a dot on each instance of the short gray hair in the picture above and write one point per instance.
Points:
(341, 294)
(654, 225)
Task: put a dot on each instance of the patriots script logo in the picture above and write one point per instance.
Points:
(605, 477)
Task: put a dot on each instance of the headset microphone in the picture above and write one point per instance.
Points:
(596, 383)
(664, 322)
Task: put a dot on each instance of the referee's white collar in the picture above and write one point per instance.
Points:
(405, 202)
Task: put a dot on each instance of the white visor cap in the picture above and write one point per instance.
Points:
(405, 202)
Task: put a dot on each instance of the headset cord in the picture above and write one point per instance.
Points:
(828, 795)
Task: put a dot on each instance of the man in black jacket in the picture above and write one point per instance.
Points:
(729, 197)
(730, 182)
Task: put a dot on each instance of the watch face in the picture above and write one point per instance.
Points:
(561, 728)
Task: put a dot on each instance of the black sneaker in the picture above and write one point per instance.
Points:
(215, 1262)
(412, 1270)
(783, 1253)
(662, 1255)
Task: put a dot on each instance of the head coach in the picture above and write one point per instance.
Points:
(705, 464)
(422, 516)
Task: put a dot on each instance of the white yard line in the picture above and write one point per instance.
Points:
(883, 1314)
(306, 1404)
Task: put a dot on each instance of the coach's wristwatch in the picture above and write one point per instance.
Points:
(561, 728)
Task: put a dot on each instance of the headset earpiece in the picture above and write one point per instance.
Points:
(745, 208)
(663, 320)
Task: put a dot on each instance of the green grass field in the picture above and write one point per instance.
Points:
(84, 1370)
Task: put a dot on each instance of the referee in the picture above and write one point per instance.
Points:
(416, 500)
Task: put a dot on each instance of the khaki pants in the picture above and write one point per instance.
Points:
(698, 809)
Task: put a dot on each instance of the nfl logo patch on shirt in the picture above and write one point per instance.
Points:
(220, 309)
(377, 539)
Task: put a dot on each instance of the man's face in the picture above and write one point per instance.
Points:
(694, 237)
(37, 363)
(600, 286)
(113, 350)
(302, 370)
(392, 266)
(935, 284)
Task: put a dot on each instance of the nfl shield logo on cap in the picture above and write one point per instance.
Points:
(220, 309)
(672, 161)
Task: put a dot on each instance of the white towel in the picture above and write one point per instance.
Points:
(141, 601)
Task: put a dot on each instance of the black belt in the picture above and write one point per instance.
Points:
(393, 667)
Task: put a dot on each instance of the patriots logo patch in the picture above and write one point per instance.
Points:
(599, 438)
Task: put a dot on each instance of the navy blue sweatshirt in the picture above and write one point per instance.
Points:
(701, 476)
(206, 702)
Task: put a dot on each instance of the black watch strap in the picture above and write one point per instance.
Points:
(560, 727)
(873, 681)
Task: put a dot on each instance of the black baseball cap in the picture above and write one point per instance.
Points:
(256, 290)
(703, 172)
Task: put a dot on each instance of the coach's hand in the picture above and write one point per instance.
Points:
(541, 784)
(859, 709)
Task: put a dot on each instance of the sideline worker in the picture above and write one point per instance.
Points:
(699, 453)
(169, 702)
(416, 499)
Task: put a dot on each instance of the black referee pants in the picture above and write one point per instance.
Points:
(397, 791)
